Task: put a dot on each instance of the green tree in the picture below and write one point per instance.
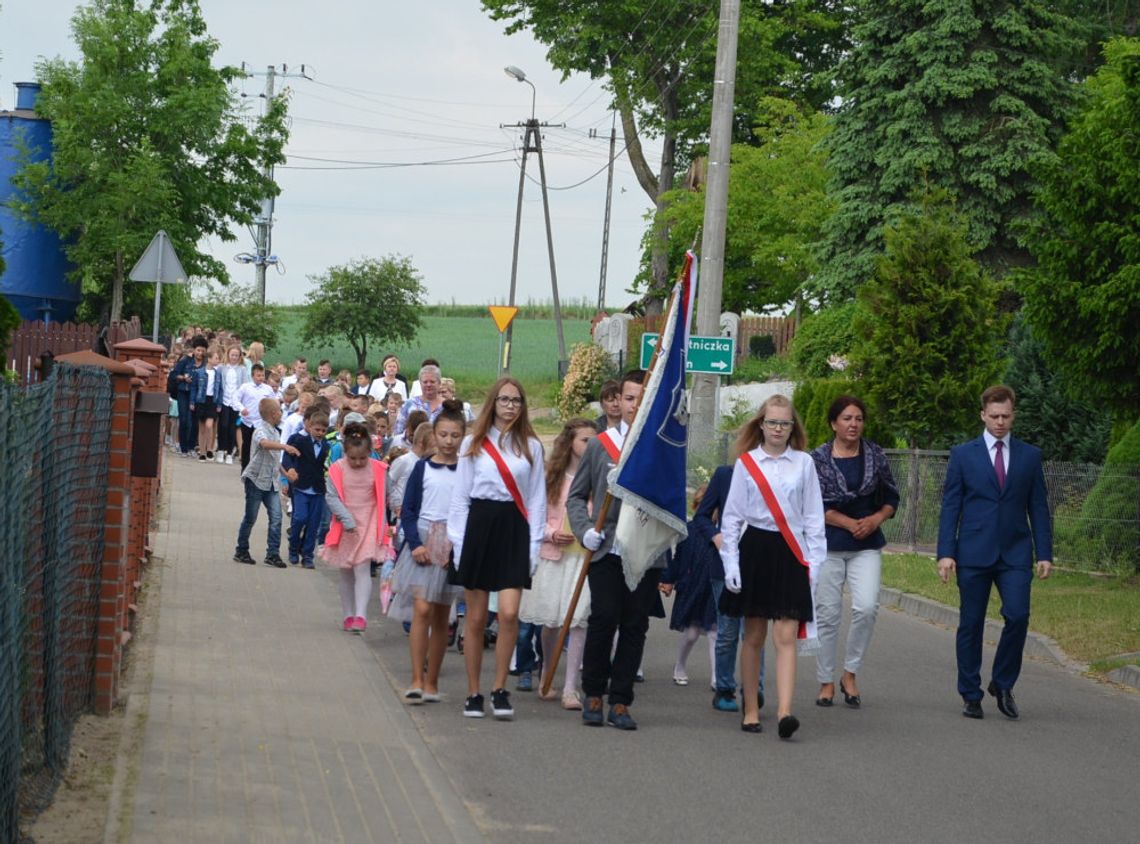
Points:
(966, 95)
(366, 301)
(148, 134)
(657, 62)
(777, 203)
(1083, 297)
(928, 327)
(1051, 414)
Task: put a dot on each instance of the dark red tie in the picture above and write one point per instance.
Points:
(999, 465)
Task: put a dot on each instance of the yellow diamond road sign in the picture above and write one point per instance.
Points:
(502, 315)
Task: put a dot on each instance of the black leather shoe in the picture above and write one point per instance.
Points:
(1005, 703)
(973, 709)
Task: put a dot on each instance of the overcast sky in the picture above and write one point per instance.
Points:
(407, 82)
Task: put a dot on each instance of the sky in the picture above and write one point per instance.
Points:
(403, 83)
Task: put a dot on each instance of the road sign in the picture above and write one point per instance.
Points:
(502, 315)
(712, 355)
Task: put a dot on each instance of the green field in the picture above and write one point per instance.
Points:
(467, 348)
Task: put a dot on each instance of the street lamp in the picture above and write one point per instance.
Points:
(517, 74)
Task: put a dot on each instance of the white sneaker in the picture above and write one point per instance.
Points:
(229, 459)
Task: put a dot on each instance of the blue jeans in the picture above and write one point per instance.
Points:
(308, 511)
(255, 497)
(528, 647)
(727, 635)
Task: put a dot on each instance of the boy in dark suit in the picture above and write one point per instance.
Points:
(306, 474)
(995, 519)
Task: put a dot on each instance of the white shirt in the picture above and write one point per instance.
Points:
(378, 389)
(793, 478)
(479, 478)
(991, 440)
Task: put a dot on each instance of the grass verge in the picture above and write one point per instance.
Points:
(1092, 618)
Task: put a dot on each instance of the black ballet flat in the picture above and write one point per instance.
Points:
(854, 701)
(748, 728)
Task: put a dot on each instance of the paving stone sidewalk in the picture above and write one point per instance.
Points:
(265, 721)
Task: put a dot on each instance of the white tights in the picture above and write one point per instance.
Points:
(355, 587)
(689, 638)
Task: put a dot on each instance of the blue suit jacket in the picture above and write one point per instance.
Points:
(981, 524)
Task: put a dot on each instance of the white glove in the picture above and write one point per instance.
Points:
(592, 540)
(732, 577)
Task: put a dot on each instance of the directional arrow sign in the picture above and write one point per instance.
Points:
(502, 315)
(712, 355)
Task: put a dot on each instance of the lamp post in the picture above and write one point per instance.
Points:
(532, 142)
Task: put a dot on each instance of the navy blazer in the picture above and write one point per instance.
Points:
(703, 527)
(980, 523)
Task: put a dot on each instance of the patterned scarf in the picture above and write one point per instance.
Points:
(834, 486)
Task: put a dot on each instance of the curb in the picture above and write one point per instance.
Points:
(1037, 645)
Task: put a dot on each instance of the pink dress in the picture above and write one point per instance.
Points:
(361, 546)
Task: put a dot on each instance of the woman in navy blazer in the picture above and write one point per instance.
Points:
(995, 518)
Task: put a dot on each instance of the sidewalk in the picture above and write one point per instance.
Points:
(265, 721)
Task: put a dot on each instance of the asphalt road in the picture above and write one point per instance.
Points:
(906, 767)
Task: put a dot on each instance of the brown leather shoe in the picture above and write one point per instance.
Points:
(593, 714)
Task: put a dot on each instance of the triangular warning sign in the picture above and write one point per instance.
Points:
(159, 263)
(502, 315)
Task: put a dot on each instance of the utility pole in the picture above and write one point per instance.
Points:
(703, 408)
(606, 223)
(532, 142)
(263, 255)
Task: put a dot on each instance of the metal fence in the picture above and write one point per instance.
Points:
(53, 460)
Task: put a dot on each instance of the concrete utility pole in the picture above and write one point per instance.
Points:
(703, 410)
(263, 255)
(532, 142)
(606, 224)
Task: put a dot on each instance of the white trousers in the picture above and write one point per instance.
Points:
(862, 572)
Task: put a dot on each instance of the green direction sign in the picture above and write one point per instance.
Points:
(712, 355)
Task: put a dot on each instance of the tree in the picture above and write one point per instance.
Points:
(777, 203)
(148, 135)
(366, 301)
(657, 60)
(1083, 297)
(968, 96)
(928, 327)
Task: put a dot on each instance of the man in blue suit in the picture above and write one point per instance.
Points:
(995, 518)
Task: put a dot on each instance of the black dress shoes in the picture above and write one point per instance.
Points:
(973, 709)
(1005, 703)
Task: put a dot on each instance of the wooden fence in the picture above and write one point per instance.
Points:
(32, 339)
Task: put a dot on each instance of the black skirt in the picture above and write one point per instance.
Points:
(773, 583)
(496, 548)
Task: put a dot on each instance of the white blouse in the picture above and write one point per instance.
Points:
(478, 477)
(793, 478)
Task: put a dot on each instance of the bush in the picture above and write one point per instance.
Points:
(589, 367)
(822, 336)
(761, 346)
(813, 397)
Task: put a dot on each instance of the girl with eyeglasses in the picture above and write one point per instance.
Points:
(773, 544)
(496, 524)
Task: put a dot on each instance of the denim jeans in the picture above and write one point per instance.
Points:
(308, 510)
(727, 635)
(528, 647)
(255, 497)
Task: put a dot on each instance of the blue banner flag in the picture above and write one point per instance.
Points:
(650, 476)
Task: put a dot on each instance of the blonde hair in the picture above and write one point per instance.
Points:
(752, 432)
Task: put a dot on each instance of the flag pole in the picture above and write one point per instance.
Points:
(564, 631)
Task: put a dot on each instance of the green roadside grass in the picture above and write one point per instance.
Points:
(1093, 618)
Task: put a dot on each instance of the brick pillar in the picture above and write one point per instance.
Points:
(113, 589)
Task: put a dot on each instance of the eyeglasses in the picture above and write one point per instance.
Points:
(777, 424)
(510, 401)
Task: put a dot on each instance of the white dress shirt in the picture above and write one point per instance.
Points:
(478, 477)
(991, 440)
(793, 478)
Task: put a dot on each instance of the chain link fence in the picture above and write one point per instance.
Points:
(53, 460)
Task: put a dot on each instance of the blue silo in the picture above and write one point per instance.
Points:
(35, 281)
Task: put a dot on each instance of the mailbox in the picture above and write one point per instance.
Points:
(146, 444)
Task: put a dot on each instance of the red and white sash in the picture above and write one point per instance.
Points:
(769, 496)
(508, 478)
